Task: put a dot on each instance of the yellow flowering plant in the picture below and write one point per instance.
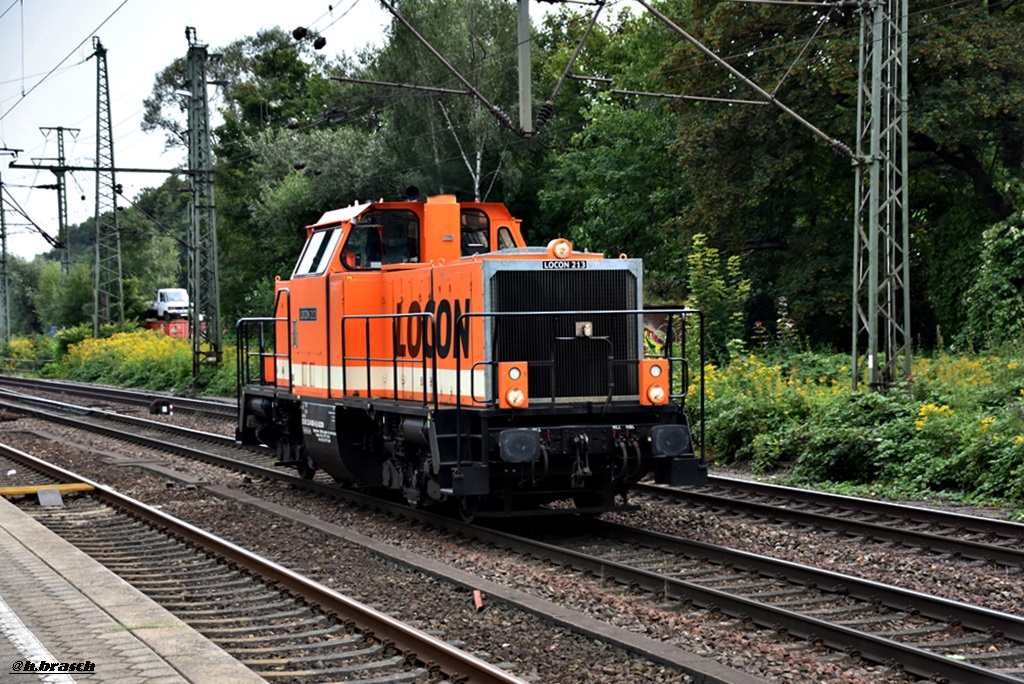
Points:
(144, 358)
(955, 428)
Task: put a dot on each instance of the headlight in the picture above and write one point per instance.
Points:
(513, 384)
(656, 393)
(559, 248)
(655, 371)
(515, 397)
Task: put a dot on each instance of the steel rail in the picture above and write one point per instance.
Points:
(17, 402)
(835, 636)
(219, 408)
(182, 450)
(934, 541)
(428, 649)
(1006, 528)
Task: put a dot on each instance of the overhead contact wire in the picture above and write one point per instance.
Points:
(73, 50)
(496, 111)
(548, 107)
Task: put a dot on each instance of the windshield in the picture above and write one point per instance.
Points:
(177, 296)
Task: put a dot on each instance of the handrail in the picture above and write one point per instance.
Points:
(429, 323)
(673, 361)
(244, 354)
(684, 312)
(681, 311)
(394, 359)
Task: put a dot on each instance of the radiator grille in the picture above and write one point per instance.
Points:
(561, 364)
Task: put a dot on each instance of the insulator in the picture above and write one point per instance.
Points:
(545, 113)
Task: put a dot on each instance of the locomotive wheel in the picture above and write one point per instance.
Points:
(467, 508)
(306, 468)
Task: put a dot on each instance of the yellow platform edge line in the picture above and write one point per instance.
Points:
(24, 490)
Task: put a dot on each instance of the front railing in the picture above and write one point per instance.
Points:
(620, 372)
(254, 343)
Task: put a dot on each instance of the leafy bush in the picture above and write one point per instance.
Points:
(994, 300)
(750, 398)
(34, 348)
(26, 354)
(719, 290)
(145, 358)
(957, 429)
(66, 337)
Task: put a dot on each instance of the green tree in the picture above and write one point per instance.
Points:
(150, 259)
(763, 185)
(720, 292)
(63, 300)
(617, 190)
(266, 80)
(993, 304)
(450, 143)
(611, 181)
(23, 286)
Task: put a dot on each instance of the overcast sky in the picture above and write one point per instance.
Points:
(142, 37)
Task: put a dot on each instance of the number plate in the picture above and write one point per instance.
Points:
(563, 264)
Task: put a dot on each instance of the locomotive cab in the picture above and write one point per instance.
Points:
(422, 347)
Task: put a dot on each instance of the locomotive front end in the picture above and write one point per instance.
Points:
(577, 405)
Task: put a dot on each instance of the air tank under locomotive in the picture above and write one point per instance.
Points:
(421, 347)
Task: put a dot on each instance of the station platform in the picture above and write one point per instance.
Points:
(66, 618)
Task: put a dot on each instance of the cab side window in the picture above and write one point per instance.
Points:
(382, 237)
(476, 232)
(362, 248)
(505, 239)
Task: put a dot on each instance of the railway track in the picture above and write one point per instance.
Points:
(141, 430)
(210, 407)
(931, 637)
(280, 624)
(934, 531)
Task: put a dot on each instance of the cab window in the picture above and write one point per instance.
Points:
(380, 238)
(318, 251)
(505, 239)
(476, 232)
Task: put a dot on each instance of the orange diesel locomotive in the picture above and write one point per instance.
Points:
(422, 347)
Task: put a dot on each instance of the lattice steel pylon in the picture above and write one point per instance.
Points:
(62, 197)
(5, 290)
(203, 277)
(881, 275)
(108, 292)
